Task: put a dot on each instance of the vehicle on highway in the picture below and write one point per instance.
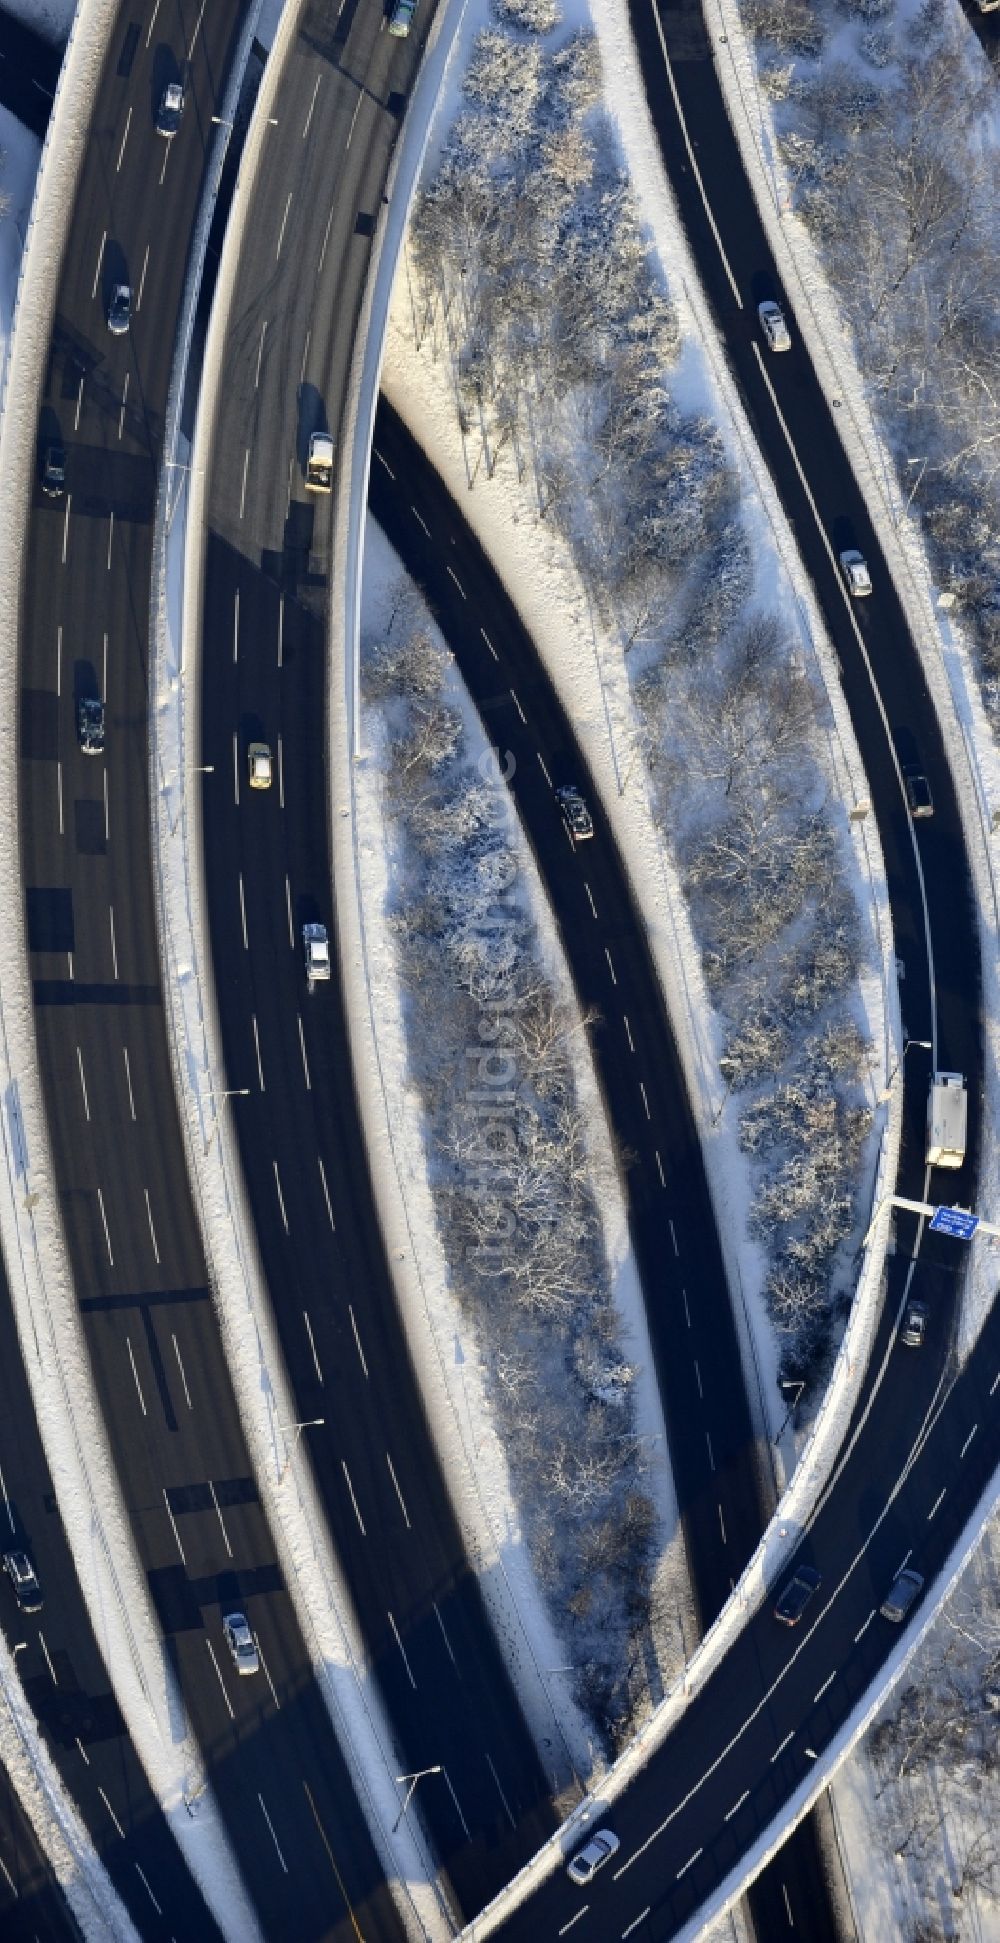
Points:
(584, 1866)
(90, 725)
(772, 323)
(914, 1325)
(905, 1588)
(316, 946)
(947, 1120)
(918, 795)
(24, 1580)
(120, 309)
(54, 470)
(797, 1594)
(575, 813)
(241, 1642)
(319, 463)
(402, 18)
(168, 118)
(259, 765)
(855, 570)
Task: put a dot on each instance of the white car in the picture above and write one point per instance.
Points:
(772, 323)
(855, 571)
(575, 814)
(241, 1643)
(168, 119)
(259, 765)
(584, 1866)
(316, 946)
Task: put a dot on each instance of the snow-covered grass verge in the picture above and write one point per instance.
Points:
(872, 134)
(926, 1780)
(513, 1190)
(58, 1829)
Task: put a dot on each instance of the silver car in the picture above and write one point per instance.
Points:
(585, 1864)
(241, 1643)
(772, 323)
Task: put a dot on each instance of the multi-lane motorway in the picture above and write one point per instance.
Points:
(286, 1797)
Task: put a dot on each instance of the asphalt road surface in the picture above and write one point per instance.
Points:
(486, 1797)
(285, 1794)
(34, 1909)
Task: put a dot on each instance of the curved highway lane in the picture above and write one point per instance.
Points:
(135, 1250)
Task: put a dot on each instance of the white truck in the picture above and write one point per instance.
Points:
(319, 464)
(316, 946)
(947, 1115)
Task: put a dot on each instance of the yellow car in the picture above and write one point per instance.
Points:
(259, 764)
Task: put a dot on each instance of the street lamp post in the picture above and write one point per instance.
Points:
(925, 1044)
(798, 1387)
(412, 1779)
(311, 1423)
(228, 1093)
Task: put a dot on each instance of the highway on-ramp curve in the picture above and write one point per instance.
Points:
(285, 1793)
(486, 1795)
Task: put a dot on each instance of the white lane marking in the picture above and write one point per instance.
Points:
(59, 798)
(156, 9)
(437, 1615)
(82, 1749)
(788, 1907)
(111, 535)
(639, 1919)
(128, 1082)
(689, 1864)
(69, 502)
(222, 1522)
(326, 1196)
(518, 707)
(827, 1683)
(697, 1378)
(628, 1032)
(687, 1311)
(384, 462)
(312, 1343)
(48, 1657)
(15, 1891)
(69, 956)
(121, 151)
(611, 968)
(167, 146)
(260, 347)
(421, 521)
(326, 239)
(659, 1167)
(722, 1523)
(267, 1675)
(104, 1218)
(737, 1805)
(177, 1353)
(111, 1812)
(782, 1746)
(288, 910)
(58, 660)
(354, 117)
(305, 1062)
(197, 26)
(121, 408)
(694, 165)
(6, 1499)
(114, 945)
(487, 640)
(100, 260)
(256, 1041)
(673, 1237)
(243, 488)
(863, 1629)
(350, 1487)
(312, 105)
(645, 1101)
(500, 1791)
(399, 1494)
(937, 1504)
(152, 1230)
(145, 1883)
(409, 1673)
(573, 1919)
(281, 628)
(220, 1679)
(236, 628)
(281, 774)
(453, 576)
(543, 769)
(281, 1198)
(243, 914)
(142, 279)
(357, 1339)
(107, 809)
(966, 1444)
(270, 1825)
(79, 403)
(173, 1526)
(284, 219)
(994, 1383)
(590, 894)
(305, 354)
(135, 1373)
(711, 1453)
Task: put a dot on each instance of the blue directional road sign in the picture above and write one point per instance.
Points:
(954, 1221)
